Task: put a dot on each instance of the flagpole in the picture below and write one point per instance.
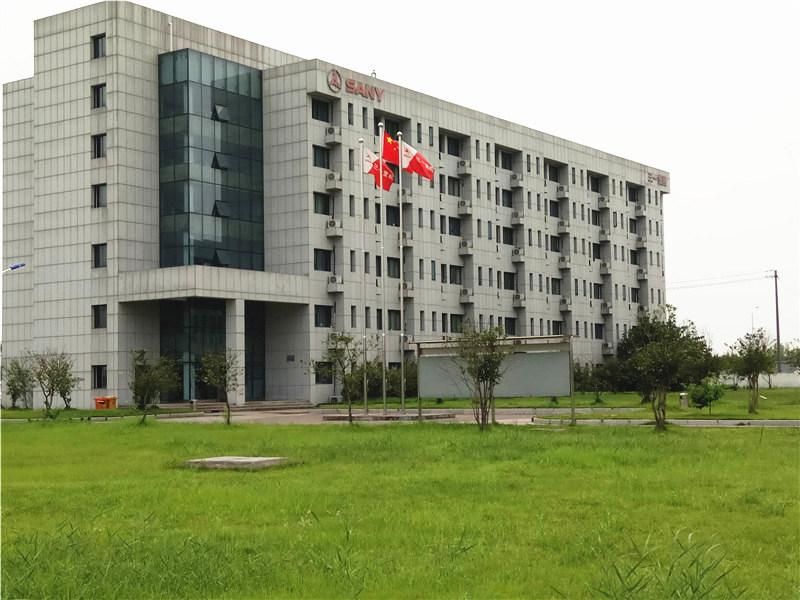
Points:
(383, 261)
(402, 278)
(364, 280)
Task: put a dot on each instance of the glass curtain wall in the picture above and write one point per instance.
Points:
(211, 162)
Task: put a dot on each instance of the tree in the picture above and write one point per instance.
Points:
(791, 354)
(221, 370)
(52, 371)
(480, 356)
(753, 357)
(149, 380)
(19, 380)
(342, 362)
(661, 355)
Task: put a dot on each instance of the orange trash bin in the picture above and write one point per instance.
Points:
(111, 402)
(100, 402)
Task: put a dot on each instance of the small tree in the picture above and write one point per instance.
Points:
(705, 393)
(19, 380)
(221, 370)
(342, 362)
(149, 380)
(52, 372)
(669, 358)
(753, 357)
(480, 356)
(791, 354)
(65, 381)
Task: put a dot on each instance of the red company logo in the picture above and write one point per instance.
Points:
(335, 80)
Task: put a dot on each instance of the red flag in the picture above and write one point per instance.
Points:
(371, 167)
(391, 152)
(414, 162)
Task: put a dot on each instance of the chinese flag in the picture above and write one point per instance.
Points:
(391, 151)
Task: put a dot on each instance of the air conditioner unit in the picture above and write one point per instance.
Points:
(331, 176)
(518, 296)
(515, 214)
(517, 251)
(333, 223)
(516, 177)
(334, 399)
(330, 130)
(608, 345)
(462, 163)
(466, 292)
(562, 188)
(462, 202)
(605, 265)
(333, 279)
(463, 244)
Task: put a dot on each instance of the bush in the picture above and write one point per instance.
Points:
(706, 392)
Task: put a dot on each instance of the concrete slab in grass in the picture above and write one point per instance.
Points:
(241, 463)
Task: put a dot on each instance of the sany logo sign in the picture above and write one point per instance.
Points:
(351, 86)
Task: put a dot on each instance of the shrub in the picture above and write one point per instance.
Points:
(706, 392)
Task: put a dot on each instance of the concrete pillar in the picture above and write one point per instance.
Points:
(234, 343)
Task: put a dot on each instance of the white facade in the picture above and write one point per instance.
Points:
(50, 224)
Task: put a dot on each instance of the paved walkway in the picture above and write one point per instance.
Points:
(505, 416)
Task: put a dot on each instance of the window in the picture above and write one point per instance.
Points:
(599, 331)
(352, 205)
(99, 255)
(575, 286)
(419, 133)
(508, 236)
(555, 243)
(528, 163)
(456, 323)
(378, 213)
(442, 224)
(573, 175)
(577, 329)
(456, 274)
(393, 267)
(444, 273)
(433, 270)
(99, 312)
(558, 328)
(480, 276)
(539, 238)
(322, 204)
(320, 110)
(506, 198)
(530, 237)
(99, 380)
(422, 320)
(367, 318)
(366, 208)
(555, 286)
(597, 291)
(554, 212)
(634, 294)
(430, 136)
(379, 318)
(453, 146)
(491, 277)
(394, 320)
(366, 262)
(480, 228)
(432, 220)
(321, 157)
(350, 115)
(323, 372)
(323, 260)
(99, 95)
(480, 322)
(444, 322)
(509, 281)
(657, 229)
(454, 186)
(433, 320)
(364, 118)
(393, 216)
(323, 315)
(421, 269)
(352, 261)
(99, 195)
(378, 266)
(351, 159)
(98, 47)
(454, 226)
(99, 145)
(489, 229)
(353, 316)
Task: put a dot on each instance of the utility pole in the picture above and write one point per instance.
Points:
(777, 325)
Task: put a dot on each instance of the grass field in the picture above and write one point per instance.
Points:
(104, 510)
(79, 413)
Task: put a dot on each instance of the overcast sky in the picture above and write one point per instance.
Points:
(709, 91)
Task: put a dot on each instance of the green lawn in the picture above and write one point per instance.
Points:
(103, 510)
